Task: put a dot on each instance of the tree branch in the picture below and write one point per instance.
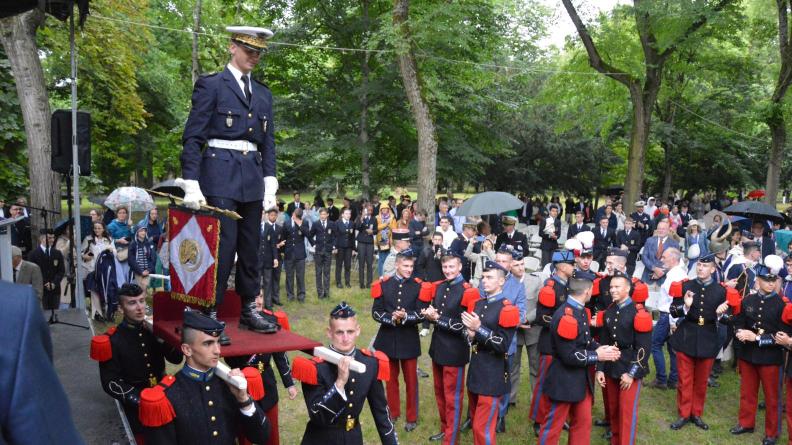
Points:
(701, 21)
(595, 60)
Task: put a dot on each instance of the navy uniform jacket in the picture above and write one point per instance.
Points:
(397, 339)
(322, 238)
(295, 239)
(518, 238)
(367, 223)
(488, 373)
(631, 240)
(268, 253)
(220, 111)
(459, 246)
(206, 412)
(335, 420)
(33, 406)
(602, 243)
(568, 377)
(628, 327)
(551, 297)
(262, 363)
(418, 232)
(138, 362)
(345, 234)
(762, 315)
(644, 220)
(449, 346)
(697, 331)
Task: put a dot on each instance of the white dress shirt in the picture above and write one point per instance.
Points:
(238, 76)
(677, 273)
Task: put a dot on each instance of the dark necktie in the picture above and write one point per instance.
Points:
(247, 87)
(15, 274)
(324, 225)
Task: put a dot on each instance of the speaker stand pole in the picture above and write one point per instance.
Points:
(77, 231)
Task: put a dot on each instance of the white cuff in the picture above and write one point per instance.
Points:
(248, 410)
(341, 392)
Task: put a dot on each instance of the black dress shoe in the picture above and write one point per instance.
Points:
(536, 428)
(566, 426)
(602, 422)
(608, 434)
(657, 385)
(422, 374)
(762, 405)
(671, 385)
(500, 427)
(465, 425)
(739, 429)
(712, 383)
(277, 303)
(349, 286)
(696, 420)
(339, 286)
(682, 421)
(769, 441)
(438, 436)
(224, 340)
(409, 426)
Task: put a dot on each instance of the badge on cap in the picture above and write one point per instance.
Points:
(251, 37)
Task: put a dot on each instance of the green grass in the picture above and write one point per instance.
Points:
(657, 407)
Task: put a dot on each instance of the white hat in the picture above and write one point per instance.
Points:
(250, 36)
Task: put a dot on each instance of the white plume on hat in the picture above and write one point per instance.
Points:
(573, 244)
(774, 262)
(694, 251)
(586, 238)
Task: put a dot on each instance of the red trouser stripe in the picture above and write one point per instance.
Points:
(692, 385)
(538, 407)
(579, 425)
(410, 369)
(623, 410)
(750, 377)
(485, 418)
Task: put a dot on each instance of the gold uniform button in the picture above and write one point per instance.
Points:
(207, 387)
(143, 345)
(250, 115)
(351, 392)
(350, 405)
(250, 130)
(148, 365)
(353, 380)
(211, 403)
(213, 418)
(140, 334)
(145, 354)
(215, 433)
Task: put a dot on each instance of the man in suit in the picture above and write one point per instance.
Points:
(549, 236)
(322, 237)
(50, 261)
(295, 230)
(766, 244)
(20, 231)
(654, 273)
(685, 216)
(510, 235)
(295, 204)
(270, 258)
(31, 389)
(332, 211)
(354, 209)
(26, 272)
(629, 239)
(525, 213)
(366, 226)
(345, 247)
(228, 161)
(578, 226)
(604, 237)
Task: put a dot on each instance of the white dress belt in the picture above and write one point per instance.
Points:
(242, 145)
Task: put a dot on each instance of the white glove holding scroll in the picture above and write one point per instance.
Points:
(222, 370)
(193, 198)
(333, 357)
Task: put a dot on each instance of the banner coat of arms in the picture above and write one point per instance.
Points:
(193, 243)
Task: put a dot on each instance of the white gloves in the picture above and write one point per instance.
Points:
(270, 192)
(193, 198)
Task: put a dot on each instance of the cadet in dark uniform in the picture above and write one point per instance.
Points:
(344, 245)
(699, 304)
(50, 261)
(232, 117)
(569, 385)
(397, 311)
(295, 230)
(271, 258)
(443, 303)
(322, 237)
(551, 297)
(197, 407)
(490, 322)
(130, 357)
(630, 239)
(627, 326)
(366, 226)
(785, 340)
(335, 395)
(261, 362)
(460, 245)
(759, 358)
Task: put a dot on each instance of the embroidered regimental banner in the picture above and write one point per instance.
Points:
(193, 246)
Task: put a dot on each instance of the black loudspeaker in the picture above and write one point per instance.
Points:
(61, 160)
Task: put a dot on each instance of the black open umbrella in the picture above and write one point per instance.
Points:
(755, 210)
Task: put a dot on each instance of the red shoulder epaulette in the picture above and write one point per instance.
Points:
(376, 287)
(600, 319)
(595, 288)
(383, 364)
(547, 296)
(255, 384)
(427, 292)
(675, 290)
(640, 291)
(101, 349)
(568, 325)
(509, 315)
(155, 409)
(470, 297)
(304, 370)
(643, 319)
(786, 315)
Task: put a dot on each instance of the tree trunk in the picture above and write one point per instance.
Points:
(636, 156)
(424, 125)
(363, 137)
(196, 64)
(775, 160)
(776, 121)
(18, 35)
